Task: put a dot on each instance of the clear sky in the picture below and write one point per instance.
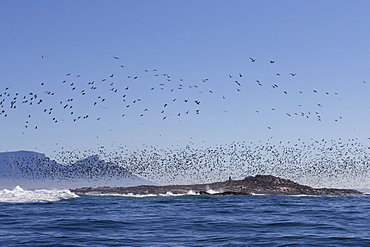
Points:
(194, 51)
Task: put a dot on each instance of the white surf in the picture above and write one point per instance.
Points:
(19, 195)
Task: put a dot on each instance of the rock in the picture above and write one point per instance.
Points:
(259, 184)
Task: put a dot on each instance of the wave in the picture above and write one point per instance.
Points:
(141, 195)
(207, 192)
(189, 193)
(19, 195)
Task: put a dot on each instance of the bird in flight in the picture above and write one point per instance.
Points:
(42, 56)
(253, 59)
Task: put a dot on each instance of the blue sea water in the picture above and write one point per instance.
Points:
(188, 220)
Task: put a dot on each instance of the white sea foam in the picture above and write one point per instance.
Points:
(190, 192)
(20, 195)
(210, 191)
(257, 194)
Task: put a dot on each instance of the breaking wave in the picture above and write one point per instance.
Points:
(189, 193)
(19, 195)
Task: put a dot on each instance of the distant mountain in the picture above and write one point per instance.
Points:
(34, 170)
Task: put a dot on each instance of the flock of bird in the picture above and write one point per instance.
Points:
(318, 163)
(73, 99)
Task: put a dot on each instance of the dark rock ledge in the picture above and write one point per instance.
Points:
(259, 184)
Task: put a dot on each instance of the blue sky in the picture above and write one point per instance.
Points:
(198, 44)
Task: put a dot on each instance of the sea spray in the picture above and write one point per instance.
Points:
(19, 195)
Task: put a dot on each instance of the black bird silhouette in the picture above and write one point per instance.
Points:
(253, 59)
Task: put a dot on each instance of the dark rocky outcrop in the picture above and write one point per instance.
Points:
(259, 184)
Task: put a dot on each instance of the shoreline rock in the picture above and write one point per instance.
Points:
(259, 184)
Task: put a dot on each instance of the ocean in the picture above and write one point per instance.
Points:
(61, 218)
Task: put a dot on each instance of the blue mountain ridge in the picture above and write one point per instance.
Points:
(32, 170)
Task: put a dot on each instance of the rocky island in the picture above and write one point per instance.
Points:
(259, 184)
